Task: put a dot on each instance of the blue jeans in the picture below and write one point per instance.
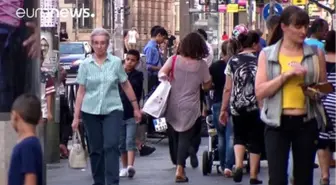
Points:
(225, 139)
(103, 138)
(127, 135)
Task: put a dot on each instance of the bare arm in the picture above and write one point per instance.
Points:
(30, 179)
(166, 68)
(264, 87)
(79, 101)
(226, 93)
(207, 85)
(128, 89)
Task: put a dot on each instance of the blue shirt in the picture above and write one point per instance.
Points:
(101, 85)
(26, 159)
(153, 57)
(315, 42)
(262, 43)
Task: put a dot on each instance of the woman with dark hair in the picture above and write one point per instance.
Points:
(183, 113)
(239, 98)
(225, 147)
(291, 111)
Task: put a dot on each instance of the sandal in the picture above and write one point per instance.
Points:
(181, 179)
(324, 181)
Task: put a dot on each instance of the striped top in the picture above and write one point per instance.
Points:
(101, 85)
(330, 103)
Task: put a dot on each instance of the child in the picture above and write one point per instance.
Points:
(26, 160)
(129, 127)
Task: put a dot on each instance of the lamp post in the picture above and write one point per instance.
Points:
(118, 34)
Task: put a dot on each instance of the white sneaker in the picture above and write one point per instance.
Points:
(131, 171)
(123, 172)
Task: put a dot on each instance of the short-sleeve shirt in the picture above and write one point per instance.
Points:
(315, 42)
(101, 85)
(26, 159)
(242, 69)
(183, 107)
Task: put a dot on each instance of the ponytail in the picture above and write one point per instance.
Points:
(276, 35)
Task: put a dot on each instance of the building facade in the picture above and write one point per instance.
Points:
(143, 14)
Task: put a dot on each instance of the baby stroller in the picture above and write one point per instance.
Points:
(210, 157)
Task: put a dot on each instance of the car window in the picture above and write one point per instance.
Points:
(72, 48)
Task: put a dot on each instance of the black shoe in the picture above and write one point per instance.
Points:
(193, 158)
(238, 175)
(316, 165)
(146, 150)
(255, 181)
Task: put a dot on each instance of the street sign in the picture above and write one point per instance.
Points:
(232, 8)
(299, 2)
(277, 10)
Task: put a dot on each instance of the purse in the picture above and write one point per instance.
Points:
(77, 156)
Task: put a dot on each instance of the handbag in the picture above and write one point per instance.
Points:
(157, 103)
(77, 156)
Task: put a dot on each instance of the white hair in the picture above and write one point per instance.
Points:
(99, 32)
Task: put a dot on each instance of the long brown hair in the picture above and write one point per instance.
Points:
(292, 15)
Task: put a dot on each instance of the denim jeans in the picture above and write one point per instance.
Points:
(127, 135)
(103, 138)
(225, 139)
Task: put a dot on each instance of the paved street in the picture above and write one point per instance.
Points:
(153, 170)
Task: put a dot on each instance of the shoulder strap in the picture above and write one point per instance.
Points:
(173, 67)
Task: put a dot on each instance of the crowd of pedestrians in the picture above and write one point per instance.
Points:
(274, 99)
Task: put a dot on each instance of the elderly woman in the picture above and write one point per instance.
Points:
(100, 106)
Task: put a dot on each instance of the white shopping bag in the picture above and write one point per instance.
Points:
(160, 124)
(77, 156)
(157, 102)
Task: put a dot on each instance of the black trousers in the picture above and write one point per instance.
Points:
(65, 121)
(183, 142)
(302, 137)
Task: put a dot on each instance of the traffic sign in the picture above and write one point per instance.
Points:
(277, 10)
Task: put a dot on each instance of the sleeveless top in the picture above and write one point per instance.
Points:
(292, 96)
(183, 106)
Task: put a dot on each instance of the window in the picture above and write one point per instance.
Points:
(83, 23)
(107, 10)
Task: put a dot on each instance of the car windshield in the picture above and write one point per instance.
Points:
(72, 48)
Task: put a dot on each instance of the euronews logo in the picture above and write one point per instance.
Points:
(51, 12)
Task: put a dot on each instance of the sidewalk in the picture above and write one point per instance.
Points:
(155, 170)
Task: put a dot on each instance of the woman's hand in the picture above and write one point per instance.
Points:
(75, 124)
(224, 117)
(297, 70)
(137, 115)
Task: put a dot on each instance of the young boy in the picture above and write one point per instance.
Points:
(129, 127)
(26, 161)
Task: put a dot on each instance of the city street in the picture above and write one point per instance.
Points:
(155, 170)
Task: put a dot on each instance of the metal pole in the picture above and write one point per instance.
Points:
(118, 28)
(77, 22)
(111, 24)
(272, 4)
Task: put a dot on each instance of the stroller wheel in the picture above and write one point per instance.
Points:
(205, 163)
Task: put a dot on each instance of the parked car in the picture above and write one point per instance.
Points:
(72, 54)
